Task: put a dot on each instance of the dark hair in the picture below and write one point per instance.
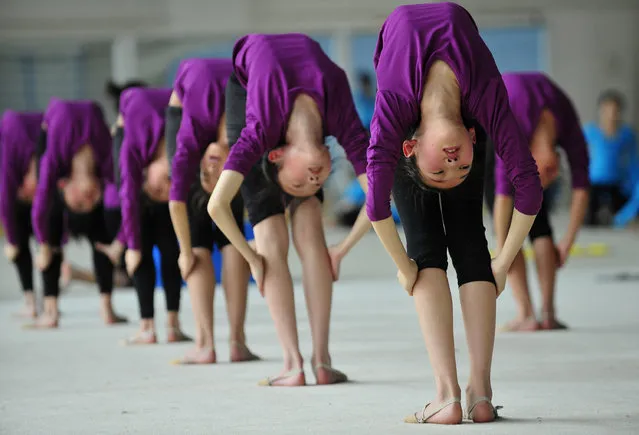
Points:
(408, 165)
(271, 169)
(364, 78)
(114, 90)
(611, 96)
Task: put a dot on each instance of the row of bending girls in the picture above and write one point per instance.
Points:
(254, 129)
(18, 180)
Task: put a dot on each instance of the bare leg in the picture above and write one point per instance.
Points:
(518, 280)
(29, 310)
(308, 237)
(201, 283)
(546, 260)
(271, 236)
(478, 301)
(435, 311)
(235, 279)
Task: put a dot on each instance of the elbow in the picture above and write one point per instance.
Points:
(214, 207)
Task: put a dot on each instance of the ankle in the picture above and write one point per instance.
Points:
(29, 298)
(147, 325)
(479, 389)
(547, 313)
(321, 358)
(205, 343)
(237, 338)
(448, 389)
(172, 320)
(294, 361)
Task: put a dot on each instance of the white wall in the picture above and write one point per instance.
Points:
(593, 50)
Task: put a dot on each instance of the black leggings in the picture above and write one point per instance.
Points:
(435, 221)
(204, 233)
(24, 261)
(98, 225)
(602, 195)
(156, 229)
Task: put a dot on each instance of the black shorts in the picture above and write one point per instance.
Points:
(204, 233)
(437, 221)
(541, 227)
(262, 197)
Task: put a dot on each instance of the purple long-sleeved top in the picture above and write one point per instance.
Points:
(529, 95)
(412, 38)
(142, 110)
(70, 126)
(200, 84)
(275, 69)
(20, 132)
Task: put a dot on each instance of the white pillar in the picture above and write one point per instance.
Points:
(124, 59)
(343, 51)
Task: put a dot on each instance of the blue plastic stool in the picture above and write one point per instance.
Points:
(216, 257)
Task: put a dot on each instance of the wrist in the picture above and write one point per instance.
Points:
(405, 264)
(341, 250)
(253, 257)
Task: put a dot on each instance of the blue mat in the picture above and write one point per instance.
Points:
(216, 256)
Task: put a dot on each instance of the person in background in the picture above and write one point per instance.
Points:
(114, 91)
(353, 198)
(197, 147)
(614, 163)
(75, 186)
(142, 175)
(284, 98)
(18, 182)
(548, 120)
(364, 99)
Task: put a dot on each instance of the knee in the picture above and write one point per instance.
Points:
(273, 247)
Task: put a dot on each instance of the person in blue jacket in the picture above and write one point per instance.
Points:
(614, 165)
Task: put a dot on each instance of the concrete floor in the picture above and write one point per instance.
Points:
(79, 380)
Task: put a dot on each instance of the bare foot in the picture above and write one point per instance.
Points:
(448, 412)
(27, 312)
(481, 410)
(113, 319)
(45, 321)
(197, 356)
(552, 324)
(141, 337)
(528, 324)
(175, 335)
(327, 375)
(241, 353)
(287, 378)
